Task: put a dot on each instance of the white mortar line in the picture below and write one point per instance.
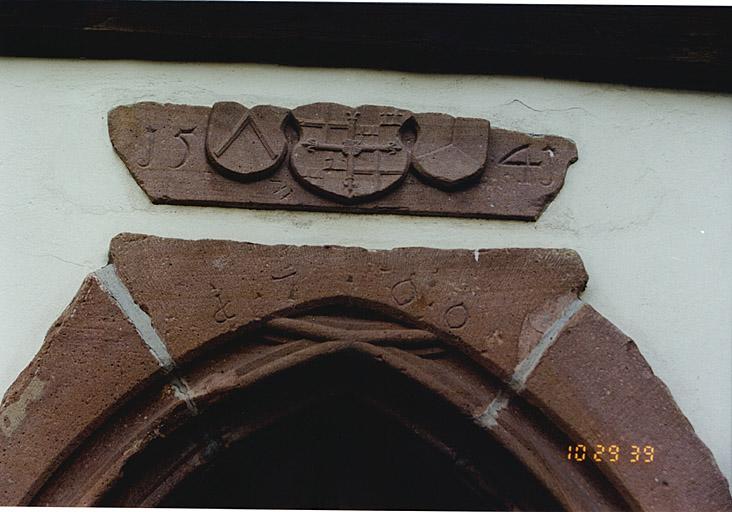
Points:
(183, 392)
(114, 287)
(488, 417)
(525, 367)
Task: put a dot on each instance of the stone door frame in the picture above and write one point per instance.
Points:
(147, 361)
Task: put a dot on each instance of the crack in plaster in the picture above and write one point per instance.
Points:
(567, 109)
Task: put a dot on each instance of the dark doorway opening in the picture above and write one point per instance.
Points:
(341, 431)
(339, 454)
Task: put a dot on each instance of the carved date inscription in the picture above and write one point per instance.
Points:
(526, 163)
(169, 149)
(332, 157)
(404, 292)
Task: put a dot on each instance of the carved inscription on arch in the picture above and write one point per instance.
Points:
(404, 292)
(456, 316)
(332, 157)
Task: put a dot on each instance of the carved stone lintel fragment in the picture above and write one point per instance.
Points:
(330, 157)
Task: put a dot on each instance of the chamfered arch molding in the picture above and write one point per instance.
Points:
(498, 335)
(329, 364)
(327, 358)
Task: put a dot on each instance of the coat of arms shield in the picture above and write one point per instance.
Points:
(246, 144)
(349, 154)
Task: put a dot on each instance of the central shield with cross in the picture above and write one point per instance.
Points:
(349, 154)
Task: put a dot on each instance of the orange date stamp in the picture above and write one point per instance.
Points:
(634, 454)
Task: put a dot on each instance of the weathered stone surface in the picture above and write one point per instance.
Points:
(349, 154)
(489, 356)
(91, 361)
(164, 148)
(246, 144)
(601, 390)
(90, 470)
(196, 291)
(450, 151)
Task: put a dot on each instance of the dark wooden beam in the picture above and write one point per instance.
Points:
(676, 47)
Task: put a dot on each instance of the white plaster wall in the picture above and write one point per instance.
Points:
(648, 205)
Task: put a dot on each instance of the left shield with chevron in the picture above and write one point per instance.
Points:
(244, 143)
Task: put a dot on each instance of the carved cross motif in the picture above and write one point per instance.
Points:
(351, 154)
(352, 148)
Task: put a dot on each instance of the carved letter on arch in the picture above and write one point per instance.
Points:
(181, 359)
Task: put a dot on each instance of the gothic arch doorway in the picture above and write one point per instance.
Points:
(223, 374)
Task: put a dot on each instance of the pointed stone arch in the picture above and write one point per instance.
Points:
(132, 392)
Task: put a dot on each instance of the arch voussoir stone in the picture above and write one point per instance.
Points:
(92, 360)
(157, 343)
(596, 383)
